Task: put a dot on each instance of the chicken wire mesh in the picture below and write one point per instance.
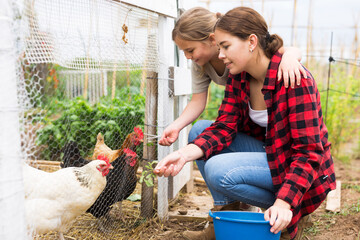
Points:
(90, 34)
(83, 77)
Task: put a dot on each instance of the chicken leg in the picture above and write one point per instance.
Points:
(61, 236)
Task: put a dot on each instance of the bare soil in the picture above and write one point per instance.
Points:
(344, 225)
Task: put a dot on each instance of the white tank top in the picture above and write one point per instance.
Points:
(260, 117)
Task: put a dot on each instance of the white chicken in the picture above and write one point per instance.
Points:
(54, 200)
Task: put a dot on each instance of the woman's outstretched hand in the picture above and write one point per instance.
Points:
(170, 165)
(279, 215)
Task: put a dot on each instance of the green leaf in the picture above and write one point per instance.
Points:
(134, 197)
(141, 178)
(78, 120)
(149, 182)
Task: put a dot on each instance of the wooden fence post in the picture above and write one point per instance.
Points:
(149, 149)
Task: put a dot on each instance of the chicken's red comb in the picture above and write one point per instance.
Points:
(103, 157)
(129, 152)
(139, 132)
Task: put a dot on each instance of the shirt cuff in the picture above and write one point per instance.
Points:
(290, 194)
(204, 146)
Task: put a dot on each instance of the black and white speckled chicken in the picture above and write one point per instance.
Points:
(53, 200)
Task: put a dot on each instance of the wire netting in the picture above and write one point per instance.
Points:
(83, 72)
(103, 35)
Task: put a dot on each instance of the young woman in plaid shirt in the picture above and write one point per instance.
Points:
(279, 160)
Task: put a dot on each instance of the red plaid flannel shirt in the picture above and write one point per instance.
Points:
(297, 147)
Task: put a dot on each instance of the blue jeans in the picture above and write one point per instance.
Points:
(238, 173)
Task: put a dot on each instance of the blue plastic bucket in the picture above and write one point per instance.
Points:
(242, 226)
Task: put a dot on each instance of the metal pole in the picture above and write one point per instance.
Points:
(309, 34)
(293, 28)
(331, 59)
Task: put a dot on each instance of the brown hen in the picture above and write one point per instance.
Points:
(132, 140)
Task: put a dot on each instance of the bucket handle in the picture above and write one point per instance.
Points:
(237, 220)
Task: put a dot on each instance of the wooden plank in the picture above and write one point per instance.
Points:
(200, 206)
(165, 104)
(187, 218)
(199, 180)
(149, 154)
(167, 8)
(182, 81)
(333, 201)
(190, 183)
(185, 176)
(179, 181)
(43, 162)
(183, 99)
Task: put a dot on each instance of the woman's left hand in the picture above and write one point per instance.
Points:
(171, 165)
(279, 215)
(290, 70)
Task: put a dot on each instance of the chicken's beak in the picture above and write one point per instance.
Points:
(111, 166)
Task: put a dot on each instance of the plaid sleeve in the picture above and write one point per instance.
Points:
(303, 116)
(223, 131)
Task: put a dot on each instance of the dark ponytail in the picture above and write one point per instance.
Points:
(272, 45)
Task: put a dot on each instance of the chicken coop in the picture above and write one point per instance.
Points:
(80, 81)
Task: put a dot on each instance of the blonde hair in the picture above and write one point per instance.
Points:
(195, 24)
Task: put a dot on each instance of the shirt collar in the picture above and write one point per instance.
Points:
(271, 75)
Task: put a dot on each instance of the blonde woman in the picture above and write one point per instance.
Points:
(193, 34)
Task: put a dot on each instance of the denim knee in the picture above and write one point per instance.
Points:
(213, 173)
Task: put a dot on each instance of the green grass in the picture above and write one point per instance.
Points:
(314, 229)
(350, 186)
